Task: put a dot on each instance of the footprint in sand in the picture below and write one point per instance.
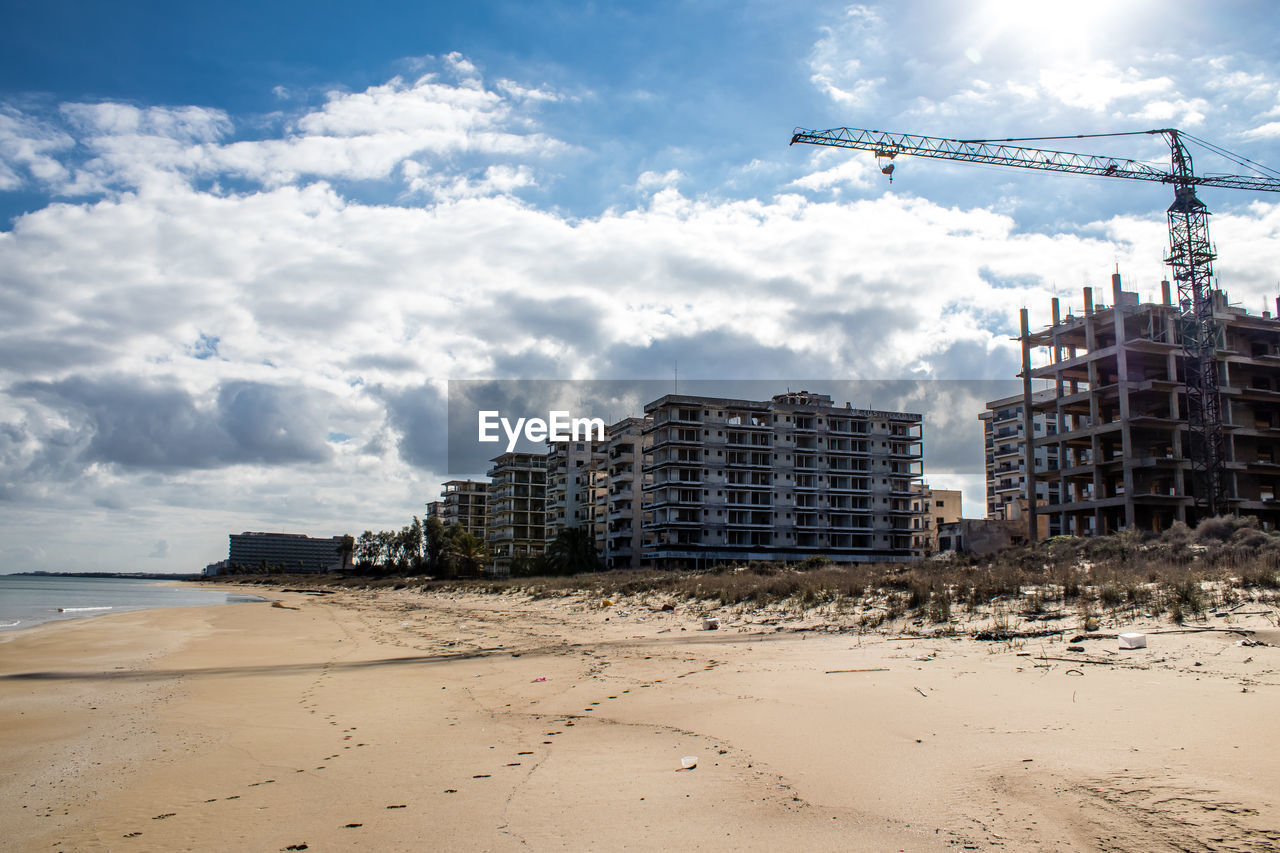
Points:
(163, 816)
(132, 835)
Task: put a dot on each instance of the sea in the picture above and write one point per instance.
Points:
(27, 600)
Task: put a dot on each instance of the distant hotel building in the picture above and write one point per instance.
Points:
(465, 503)
(516, 509)
(289, 552)
(780, 479)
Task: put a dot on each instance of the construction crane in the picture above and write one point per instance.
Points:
(1190, 252)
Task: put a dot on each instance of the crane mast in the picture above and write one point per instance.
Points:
(1190, 256)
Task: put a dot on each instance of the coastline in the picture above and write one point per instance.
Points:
(29, 601)
(424, 719)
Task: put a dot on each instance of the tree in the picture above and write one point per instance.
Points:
(367, 550)
(573, 551)
(386, 547)
(434, 535)
(411, 546)
(466, 554)
(346, 549)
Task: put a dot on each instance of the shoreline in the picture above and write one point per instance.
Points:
(500, 721)
(61, 616)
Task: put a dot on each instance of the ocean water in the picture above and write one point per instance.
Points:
(34, 599)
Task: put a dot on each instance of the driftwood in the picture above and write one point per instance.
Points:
(867, 669)
(1204, 631)
(1103, 662)
(998, 636)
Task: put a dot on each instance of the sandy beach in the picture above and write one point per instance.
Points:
(394, 720)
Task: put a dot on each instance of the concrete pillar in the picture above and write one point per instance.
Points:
(1028, 428)
(1122, 389)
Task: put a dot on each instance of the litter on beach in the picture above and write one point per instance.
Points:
(711, 623)
(1133, 641)
(689, 762)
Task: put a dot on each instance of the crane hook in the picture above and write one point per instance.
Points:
(886, 168)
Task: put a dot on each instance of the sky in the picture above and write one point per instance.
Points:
(245, 247)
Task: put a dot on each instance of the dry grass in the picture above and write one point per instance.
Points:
(1181, 572)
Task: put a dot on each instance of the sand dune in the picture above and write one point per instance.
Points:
(398, 721)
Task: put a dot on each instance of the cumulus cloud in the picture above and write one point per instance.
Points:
(417, 125)
(120, 421)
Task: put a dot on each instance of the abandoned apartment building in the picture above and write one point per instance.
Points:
(1115, 435)
(781, 479)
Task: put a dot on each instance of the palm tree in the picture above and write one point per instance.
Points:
(573, 551)
(466, 554)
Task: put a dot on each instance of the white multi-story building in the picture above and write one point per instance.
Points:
(516, 509)
(464, 503)
(571, 485)
(780, 479)
(1003, 430)
(621, 501)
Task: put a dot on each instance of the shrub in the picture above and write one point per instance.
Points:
(1215, 529)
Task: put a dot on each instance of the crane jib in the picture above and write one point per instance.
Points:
(1000, 154)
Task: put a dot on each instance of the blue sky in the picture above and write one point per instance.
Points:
(244, 246)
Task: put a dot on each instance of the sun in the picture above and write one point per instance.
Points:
(1082, 29)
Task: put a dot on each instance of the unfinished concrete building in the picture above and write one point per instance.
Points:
(1117, 403)
(516, 510)
(780, 479)
(464, 503)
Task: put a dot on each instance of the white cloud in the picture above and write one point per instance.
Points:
(834, 60)
(182, 124)
(650, 181)
(30, 146)
(849, 172)
(1270, 130)
(360, 136)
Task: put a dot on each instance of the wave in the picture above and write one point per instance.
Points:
(10, 624)
(80, 609)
